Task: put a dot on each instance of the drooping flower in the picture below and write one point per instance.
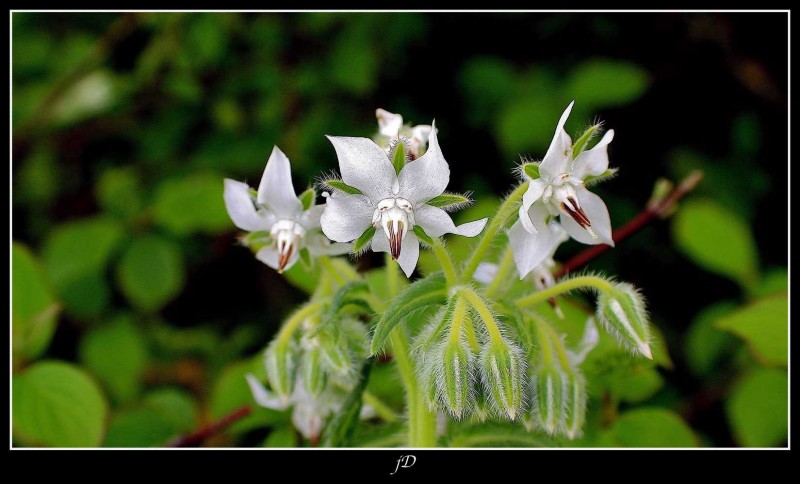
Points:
(278, 221)
(375, 204)
(534, 253)
(560, 190)
(392, 130)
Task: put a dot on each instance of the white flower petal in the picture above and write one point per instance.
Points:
(535, 189)
(531, 250)
(427, 176)
(269, 256)
(241, 210)
(307, 420)
(276, 190)
(389, 124)
(409, 250)
(364, 165)
(597, 213)
(346, 217)
(264, 397)
(437, 222)
(318, 245)
(421, 133)
(591, 336)
(310, 219)
(560, 151)
(594, 161)
(485, 273)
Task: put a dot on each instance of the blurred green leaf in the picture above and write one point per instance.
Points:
(119, 192)
(150, 272)
(599, 83)
(341, 427)
(117, 355)
(139, 427)
(56, 404)
(90, 96)
(652, 427)
(706, 345)
(206, 38)
(230, 392)
(192, 204)
(75, 255)
(764, 325)
(353, 63)
(746, 135)
(527, 126)
(177, 406)
(487, 83)
(758, 408)
(773, 282)
(34, 309)
(639, 384)
(39, 178)
(716, 239)
(281, 437)
(496, 435)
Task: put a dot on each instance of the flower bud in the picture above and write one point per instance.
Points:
(336, 357)
(456, 377)
(623, 315)
(279, 359)
(550, 406)
(575, 393)
(502, 367)
(313, 373)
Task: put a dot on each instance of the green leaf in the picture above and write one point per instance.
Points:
(177, 406)
(75, 255)
(348, 296)
(422, 293)
(34, 309)
(764, 325)
(341, 427)
(139, 427)
(489, 83)
(192, 204)
(307, 198)
(364, 239)
(652, 427)
(56, 404)
(231, 392)
(584, 139)
(496, 435)
(639, 384)
(119, 192)
(773, 282)
(531, 170)
(449, 201)
(398, 156)
(717, 240)
(758, 408)
(706, 345)
(150, 272)
(341, 186)
(420, 232)
(600, 83)
(116, 354)
(282, 437)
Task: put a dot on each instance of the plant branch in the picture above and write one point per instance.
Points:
(660, 209)
(196, 438)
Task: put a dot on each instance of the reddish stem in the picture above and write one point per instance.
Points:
(196, 438)
(660, 209)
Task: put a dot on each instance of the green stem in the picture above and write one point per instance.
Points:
(562, 287)
(296, 319)
(551, 344)
(331, 270)
(383, 410)
(446, 262)
(484, 312)
(421, 422)
(392, 275)
(506, 210)
(506, 265)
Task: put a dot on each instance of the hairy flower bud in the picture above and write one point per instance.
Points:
(575, 393)
(502, 367)
(456, 377)
(279, 359)
(623, 315)
(550, 405)
(336, 357)
(313, 373)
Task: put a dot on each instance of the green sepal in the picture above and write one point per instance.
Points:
(531, 170)
(422, 235)
(584, 139)
(398, 155)
(592, 179)
(335, 184)
(449, 200)
(305, 258)
(307, 198)
(364, 239)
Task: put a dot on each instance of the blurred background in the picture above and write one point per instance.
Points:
(136, 314)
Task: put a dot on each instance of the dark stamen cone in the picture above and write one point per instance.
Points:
(395, 238)
(578, 214)
(284, 254)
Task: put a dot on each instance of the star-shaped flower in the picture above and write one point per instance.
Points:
(561, 190)
(392, 130)
(374, 203)
(278, 220)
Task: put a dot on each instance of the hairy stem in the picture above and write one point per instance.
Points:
(506, 265)
(331, 270)
(484, 312)
(443, 255)
(562, 287)
(383, 410)
(296, 319)
(506, 210)
(549, 341)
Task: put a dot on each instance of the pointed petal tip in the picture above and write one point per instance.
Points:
(645, 351)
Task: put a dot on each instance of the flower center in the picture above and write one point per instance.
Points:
(396, 216)
(287, 235)
(562, 191)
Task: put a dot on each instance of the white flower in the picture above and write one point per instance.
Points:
(561, 190)
(392, 203)
(391, 128)
(534, 253)
(277, 216)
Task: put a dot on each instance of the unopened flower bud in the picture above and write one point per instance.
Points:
(336, 356)
(623, 315)
(279, 360)
(575, 393)
(456, 377)
(313, 374)
(550, 406)
(502, 367)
